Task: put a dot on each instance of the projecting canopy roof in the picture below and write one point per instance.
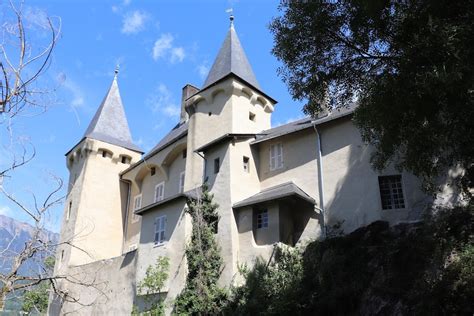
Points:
(276, 192)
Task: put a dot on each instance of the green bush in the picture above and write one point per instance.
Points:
(424, 268)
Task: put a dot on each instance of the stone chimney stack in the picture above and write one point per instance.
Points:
(188, 90)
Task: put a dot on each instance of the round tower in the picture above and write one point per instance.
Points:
(95, 207)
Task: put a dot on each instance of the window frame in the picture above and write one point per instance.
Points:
(264, 220)
(217, 165)
(274, 154)
(161, 184)
(135, 217)
(394, 204)
(161, 233)
(182, 177)
(246, 164)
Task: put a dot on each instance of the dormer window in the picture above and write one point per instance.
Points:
(276, 156)
(152, 171)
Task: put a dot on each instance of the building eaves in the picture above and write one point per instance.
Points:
(178, 132)
(191, 194)
(222, 139)
(275, 193)
(301, 124)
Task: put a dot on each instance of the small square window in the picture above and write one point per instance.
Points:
(252, 116)
(125, 159)
(262, 219)
(69, 208)
(245, 161)
(391, 192)
(152, 171)
(216, 165)
(184, 153)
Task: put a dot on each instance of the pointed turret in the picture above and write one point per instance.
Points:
(231, 60)
(110, 123)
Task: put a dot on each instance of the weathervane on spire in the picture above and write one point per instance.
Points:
(231, 17)
(117, 68)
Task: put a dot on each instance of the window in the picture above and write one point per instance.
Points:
(181, 182)
(184, 153)
(105, 153)
(68, 214)
(125, 159)
(391, 192)
(159, 191)
(216, 165)
(252, 116)
(152, 171)
(160, 228)
(262, 219)
(137, 204)
(245, 162)
(276, 156)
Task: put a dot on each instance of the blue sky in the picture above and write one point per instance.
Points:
(160, 46)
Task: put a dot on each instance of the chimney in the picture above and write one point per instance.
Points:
(188, 90)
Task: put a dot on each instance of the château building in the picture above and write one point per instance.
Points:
(288, 184)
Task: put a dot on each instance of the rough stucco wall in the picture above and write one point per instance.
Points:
(245, 100)
(351, 185)
(178, 230)
(249, 250)
(299, 162)
(98, 226)
(113, 292)
(169, 163)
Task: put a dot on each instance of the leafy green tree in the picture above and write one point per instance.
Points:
(408, 64)
(35, 298)
(152, 283)
(201, 294)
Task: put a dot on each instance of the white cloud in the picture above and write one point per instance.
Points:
(115, 9)
(162, 45)
(177, 54)
(134, 22)
(203, 71)
(162, 102)
(5, 210)
(126, 2)
(37, 17)
(164, 48)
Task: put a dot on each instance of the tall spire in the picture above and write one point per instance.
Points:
(231, 59)
(110, 123)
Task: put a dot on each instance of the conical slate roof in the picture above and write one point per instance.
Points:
(110, 123)
(231, 59)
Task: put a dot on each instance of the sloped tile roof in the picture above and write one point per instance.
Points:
(110, 123)
(275, 192)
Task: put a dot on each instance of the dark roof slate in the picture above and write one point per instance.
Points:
(109, 123)
(276, 192)
(231, 59)
(301, 124)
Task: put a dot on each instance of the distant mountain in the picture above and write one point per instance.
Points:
(14, 234)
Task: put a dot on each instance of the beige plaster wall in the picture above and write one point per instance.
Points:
(168, 163)
(97, 205)
(178, 230)
(108, 288)
(299, 162)
(351, 185)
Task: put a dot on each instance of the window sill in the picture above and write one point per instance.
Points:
(162, 244)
